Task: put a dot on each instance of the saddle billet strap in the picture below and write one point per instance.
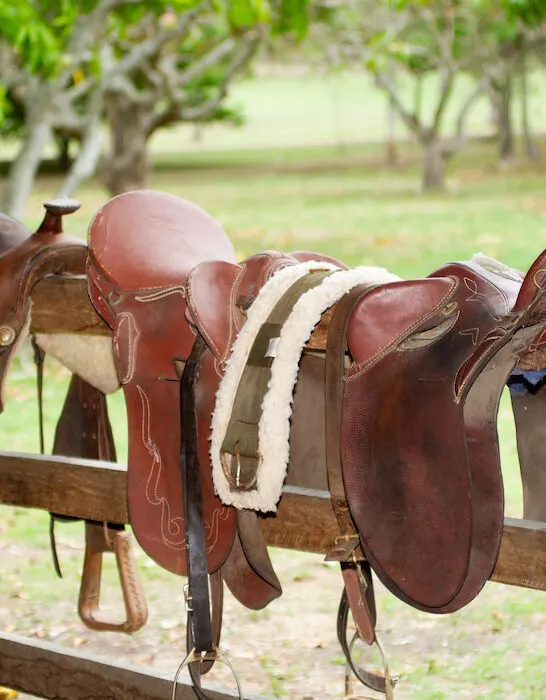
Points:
(197, 593)
(347, 545)
(240, 453)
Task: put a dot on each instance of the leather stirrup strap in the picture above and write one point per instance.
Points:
(358, 591)
(217, 606)
(39, 359)
(197, 592)
(348, 544)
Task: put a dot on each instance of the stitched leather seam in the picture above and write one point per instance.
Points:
(353, 374)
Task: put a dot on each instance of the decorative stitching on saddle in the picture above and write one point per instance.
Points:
(354, 373)
(213, 529)
(474, 334)
(232, 300)
(152, 482)
(126, 324)
(162, 293)
(480, 297)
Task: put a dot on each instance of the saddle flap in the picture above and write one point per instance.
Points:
(410, 307)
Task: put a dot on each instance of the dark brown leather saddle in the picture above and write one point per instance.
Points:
(83, 428)
(406, 392)
(419, 442)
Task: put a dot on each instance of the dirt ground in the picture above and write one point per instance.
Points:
(290, 649)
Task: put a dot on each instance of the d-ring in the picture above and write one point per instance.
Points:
(217, 657)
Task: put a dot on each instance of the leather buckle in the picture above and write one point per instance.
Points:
(100, 538)
(345, 549)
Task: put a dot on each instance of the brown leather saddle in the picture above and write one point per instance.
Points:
(419, 442)
(83, 428)
(412, 376)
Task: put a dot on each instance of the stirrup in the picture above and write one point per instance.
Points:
(352, 669)
(100, 539)
(214, 656)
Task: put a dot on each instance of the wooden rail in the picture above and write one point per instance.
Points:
(50, 671)
(304, 520)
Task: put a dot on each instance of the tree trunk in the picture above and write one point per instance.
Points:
(25, 166)
(86, 161)
(126, 165)
(392, 153)
(530, 147)
(63, 154)
(506, 132)
(434, 165)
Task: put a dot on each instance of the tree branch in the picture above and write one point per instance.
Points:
(410, 119)
(176, 111)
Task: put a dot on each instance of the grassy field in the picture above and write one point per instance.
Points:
(344, 202)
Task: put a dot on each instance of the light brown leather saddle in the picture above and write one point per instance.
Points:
(83, 428)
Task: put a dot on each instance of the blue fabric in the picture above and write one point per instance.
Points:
(525, 381)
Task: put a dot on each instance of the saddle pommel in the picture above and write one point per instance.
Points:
(55, 210)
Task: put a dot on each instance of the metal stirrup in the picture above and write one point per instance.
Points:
(351, 668)
(214, 656)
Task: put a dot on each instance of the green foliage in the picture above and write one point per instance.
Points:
(530, 12)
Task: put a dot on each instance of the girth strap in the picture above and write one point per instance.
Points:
(240, 448)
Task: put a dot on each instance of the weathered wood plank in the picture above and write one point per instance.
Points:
(522, 556)
(61, 304)
(304, 521)
(79, 487)
(50, 671)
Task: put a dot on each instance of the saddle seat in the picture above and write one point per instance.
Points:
(149, 240)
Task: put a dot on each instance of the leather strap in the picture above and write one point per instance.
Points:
(357, 594)
(217, 605)
(197, 596)
(353, 592)
(347, 546)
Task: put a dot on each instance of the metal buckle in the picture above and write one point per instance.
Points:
(188, 598)
(344, 548)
